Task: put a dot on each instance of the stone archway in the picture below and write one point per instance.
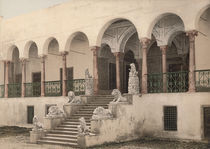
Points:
(121, 36)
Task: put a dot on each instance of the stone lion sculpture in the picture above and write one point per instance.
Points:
(82, 127)
(36, 124)
(118, 97)
(55, 111)
(101, 113)
(73, 99)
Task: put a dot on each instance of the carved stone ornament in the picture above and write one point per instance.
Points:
(133, 82)
(101, 113)
(55, 112)
(118, 97)
(88, 83)
(82, 127)
(37, 126)
(73, 99)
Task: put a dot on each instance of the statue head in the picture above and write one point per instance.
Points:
(71, 96)
(35, 119)
(87, 74)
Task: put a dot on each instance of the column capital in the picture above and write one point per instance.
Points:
(64, 53)
(23, 60)
(94, 48)
(117, 54)
(164, 49)
(145, 42)
(191, 34)
(43, 57)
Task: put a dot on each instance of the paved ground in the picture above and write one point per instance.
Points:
(22, 142)
(17, 138)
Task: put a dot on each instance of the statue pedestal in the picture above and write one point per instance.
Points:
(36, 135)
(89, 86)
(52, 122)
(81, 141)
(70, 109)
(133, 85)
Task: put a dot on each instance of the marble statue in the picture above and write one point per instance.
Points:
(73, 99)
(133, 82)
(88, 83)
(82, 127)
(36, 124)
(101, 113)
(55, 111)
(118, 97)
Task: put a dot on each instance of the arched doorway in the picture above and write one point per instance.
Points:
(122, 38)
(107, 69)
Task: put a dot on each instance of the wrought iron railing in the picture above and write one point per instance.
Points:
(177, 82)
(53, 88)
(2, 91)
(202, 80)
(77, 85)
(155, 83)
(33, 89)
(14, 90)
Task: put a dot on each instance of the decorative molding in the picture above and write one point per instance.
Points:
(166, 27)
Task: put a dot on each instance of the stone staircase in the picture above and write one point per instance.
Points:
(66, 133)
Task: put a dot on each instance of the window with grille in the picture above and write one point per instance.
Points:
(170, 118)
(30, 114)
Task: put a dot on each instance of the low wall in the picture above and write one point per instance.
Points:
(145, 118)
(14, 110)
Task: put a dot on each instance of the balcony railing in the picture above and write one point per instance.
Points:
(2, 91)
(175, 82)
(77, 85)
(14, 90)
(202, 80)
(155, 83)
(33, 89)
(53, 88)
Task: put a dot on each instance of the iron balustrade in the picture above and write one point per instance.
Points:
(2, 91)
(33, 89)
(14, 90)
(175, 82)
(77, 86)
(202, 78)
(155, 83)
(53, 88)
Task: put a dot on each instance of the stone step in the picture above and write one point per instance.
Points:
(67, 123)
(66, 129)
(68, 126)
(61, 135)
(63, 132)
(77, 120)
(47, 138)
(83, 114)
(93, 104)
(73, 144)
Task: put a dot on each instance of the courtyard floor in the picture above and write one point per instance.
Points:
(19, 139)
